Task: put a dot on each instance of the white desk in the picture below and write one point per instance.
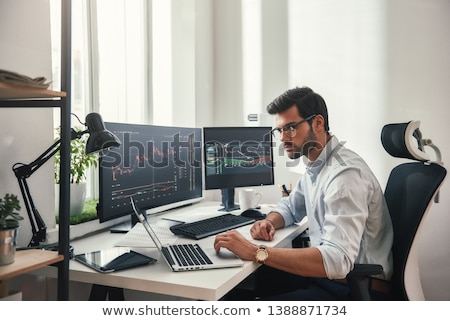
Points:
(158, 278)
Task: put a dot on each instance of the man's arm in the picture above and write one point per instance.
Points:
(300, 261)
(265, 229)
(276, 219)
(306, 261)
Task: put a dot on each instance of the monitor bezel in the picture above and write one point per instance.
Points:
(242, 180)
(102, 211)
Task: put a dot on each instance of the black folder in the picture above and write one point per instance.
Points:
(114, 259)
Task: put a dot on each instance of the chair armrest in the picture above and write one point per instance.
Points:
(365, 270)
(356, 280)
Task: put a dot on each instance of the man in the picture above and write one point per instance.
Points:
(348, 218)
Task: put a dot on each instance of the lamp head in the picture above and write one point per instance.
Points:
(99, 137)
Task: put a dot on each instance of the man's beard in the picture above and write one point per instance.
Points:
(308, 144)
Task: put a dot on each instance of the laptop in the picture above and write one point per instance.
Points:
(188, 256)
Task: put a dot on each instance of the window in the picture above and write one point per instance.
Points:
(109, 62)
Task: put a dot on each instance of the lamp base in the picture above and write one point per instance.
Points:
(55, 247)
(49, 247)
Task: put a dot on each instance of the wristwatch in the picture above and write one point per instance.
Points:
(261, 254)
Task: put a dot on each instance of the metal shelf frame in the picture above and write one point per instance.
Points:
(62, 101)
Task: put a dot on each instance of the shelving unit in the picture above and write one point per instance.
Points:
(15, 92)
(13, 96)
(26, 261)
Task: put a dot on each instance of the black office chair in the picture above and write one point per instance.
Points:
(409, 194)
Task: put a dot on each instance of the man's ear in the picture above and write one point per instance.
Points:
(318, 123)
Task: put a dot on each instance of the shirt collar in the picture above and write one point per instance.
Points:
(314, 168)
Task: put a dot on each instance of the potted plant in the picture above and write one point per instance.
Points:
(9, 226)
(79, 163)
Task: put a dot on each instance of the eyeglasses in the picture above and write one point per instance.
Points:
(289, 130)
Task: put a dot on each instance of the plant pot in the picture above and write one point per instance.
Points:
(8, 241)
(77, 198)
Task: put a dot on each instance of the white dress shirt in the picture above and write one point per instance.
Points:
(347, 214)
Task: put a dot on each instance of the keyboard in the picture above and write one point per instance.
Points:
(211, 226)
(188, 255)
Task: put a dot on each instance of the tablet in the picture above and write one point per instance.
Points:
(114, 259)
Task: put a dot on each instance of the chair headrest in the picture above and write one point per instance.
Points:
(404, 140)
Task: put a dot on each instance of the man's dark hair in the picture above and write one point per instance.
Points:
(307, 101)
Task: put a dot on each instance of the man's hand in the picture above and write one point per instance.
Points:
(236, 243)
(263, 230)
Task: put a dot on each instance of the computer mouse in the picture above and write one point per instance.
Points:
(253, 213)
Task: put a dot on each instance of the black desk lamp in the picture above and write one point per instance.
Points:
(99, 138)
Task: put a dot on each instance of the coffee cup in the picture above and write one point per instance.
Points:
(249, 198)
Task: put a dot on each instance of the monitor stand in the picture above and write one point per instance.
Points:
(228, 200)
(126, 226)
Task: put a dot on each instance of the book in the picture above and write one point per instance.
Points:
(15, 78)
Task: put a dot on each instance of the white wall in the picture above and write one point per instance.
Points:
(418, 88)
(338, 49)
(26, 133)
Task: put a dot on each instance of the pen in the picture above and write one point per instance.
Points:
(285, 190)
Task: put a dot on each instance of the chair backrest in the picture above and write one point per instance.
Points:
(409, 194)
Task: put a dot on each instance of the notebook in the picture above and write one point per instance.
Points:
(138, 237)
(188, 256)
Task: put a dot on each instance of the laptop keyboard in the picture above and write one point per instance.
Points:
(190, 255)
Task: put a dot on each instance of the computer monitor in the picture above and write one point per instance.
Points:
(237, 157)
(160, 166)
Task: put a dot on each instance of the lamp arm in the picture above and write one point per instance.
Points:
(38, 227)
(22, 172)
